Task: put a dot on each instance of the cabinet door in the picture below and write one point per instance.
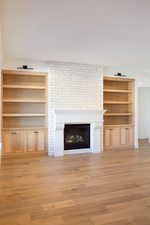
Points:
(126, 136)
(14, 141)
(115, 137)
(107, 137)
(36, 141)
(112, 137)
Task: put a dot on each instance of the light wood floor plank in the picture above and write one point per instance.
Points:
(112, 188)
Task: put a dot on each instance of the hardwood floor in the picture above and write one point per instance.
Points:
(111, 188)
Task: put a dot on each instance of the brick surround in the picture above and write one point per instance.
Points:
(72, 86)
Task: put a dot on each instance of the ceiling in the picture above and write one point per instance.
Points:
(105, 32)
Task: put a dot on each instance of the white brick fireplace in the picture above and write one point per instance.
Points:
(75, 97)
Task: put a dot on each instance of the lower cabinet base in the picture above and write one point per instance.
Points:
(118, 137)
(24, 141)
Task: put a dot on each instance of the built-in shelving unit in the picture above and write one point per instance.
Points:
(118, 101)
(119, 110)
(24, 106)
(24, 95)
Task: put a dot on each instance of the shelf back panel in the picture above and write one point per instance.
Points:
(117, 120)
(23, 80)
(23, 122)
(24, 108)
(121, 108)
(116, 85)
(23, 94)
(116, 96)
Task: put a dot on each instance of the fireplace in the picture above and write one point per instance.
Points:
(76, 136)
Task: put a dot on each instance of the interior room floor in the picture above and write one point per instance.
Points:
(112, 188)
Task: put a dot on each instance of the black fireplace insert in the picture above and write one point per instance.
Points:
(76, 136)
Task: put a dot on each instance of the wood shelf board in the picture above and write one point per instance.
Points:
(117, 102)
(117, 114)
(24, 87)
(24, 73)
(119, 125)
(25, 128)
(25, 100)
(117, 91)
(123, 79)
(23, 115)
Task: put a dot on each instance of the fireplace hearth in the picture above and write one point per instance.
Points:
(76, 136)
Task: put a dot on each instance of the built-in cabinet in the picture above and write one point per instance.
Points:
(24, 140)
(119, 113)
(118, 137)
(24, 123)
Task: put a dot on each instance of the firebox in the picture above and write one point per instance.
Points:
(76, 136)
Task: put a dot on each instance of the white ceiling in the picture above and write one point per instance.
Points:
(106, 32)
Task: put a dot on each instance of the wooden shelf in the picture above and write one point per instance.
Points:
(24, 86)
(120, 125)
(24, 128)
(25, 100)
(117, 114)
(117, 102)
(119, 79)
(23, 115)
(23, 73)
(117, 91)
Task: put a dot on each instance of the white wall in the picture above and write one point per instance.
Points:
(108, 32)
(144, 112)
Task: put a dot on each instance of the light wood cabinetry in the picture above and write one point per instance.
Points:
(36, 140)
(14, 141)
(119, 115)
(118, 137)
(24, 141)
(126, 136)
(24, 107)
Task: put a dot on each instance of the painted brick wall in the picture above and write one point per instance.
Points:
(72, 86)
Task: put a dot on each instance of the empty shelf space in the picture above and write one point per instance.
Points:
(24, 86)
(23, 115)
(117, 91)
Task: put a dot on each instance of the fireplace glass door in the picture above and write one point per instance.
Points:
(76, 136)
